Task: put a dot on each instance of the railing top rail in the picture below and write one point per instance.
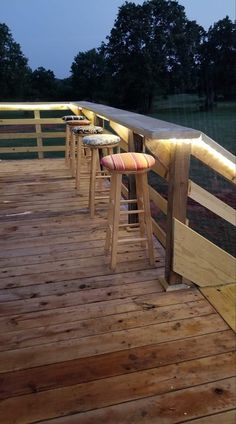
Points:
(155, 129)
(21, 106)
(149, 127)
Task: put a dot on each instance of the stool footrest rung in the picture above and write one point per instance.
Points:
(132, 225)
(103, 172)
(128, 201)
(102, 176)
(101, 197)
(132, 212)
(132, 240)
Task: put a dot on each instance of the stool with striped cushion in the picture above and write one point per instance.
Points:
(72, 121)
(79, 132)
(129, 163)
(97, 142)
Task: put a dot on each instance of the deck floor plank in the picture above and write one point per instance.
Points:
(81, 344)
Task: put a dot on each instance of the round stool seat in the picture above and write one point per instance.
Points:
(98, 140)
(87, 129)
(75, 123)
(73, 118)
(130, 162)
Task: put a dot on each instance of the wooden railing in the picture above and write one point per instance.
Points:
(189, 255)
(22, 134)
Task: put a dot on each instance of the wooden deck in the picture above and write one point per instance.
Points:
(80, 344)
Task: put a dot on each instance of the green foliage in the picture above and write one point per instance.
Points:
(218, 62)
(14, 72)
(43, 84)
(152, 47)
(88, 72)
(64, 90)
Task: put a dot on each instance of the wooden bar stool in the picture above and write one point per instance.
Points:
(71, 121)
(79, 132)
(129, 163)
(95, 143)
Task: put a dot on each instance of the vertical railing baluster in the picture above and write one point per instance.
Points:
(135, 144)
(38, 130)
(177, 202)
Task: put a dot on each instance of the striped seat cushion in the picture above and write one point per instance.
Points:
(101, 140)
(73, 118)
(75, 123)
(128, 162)
(87, 129)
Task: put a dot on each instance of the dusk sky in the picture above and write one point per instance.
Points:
(52, 32)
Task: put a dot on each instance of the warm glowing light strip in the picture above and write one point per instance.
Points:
(33, 106)
(103, 117)
(200, 144)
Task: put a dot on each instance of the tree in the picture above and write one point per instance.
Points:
(14, 71)
(87, 75)
(151, 47)
(43, 84)
(218, 62)
(128, 61)
(184, 62)
(64, 90)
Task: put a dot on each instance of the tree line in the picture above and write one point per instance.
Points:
(153, 49)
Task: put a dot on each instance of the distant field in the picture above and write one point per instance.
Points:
(184, 109)
(220, 125)
(28, 128)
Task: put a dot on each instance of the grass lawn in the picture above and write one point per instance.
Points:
(31, 128)
(220, 125)
(183, 109)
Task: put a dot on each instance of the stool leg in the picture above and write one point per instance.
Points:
(110, 215)
(92, 185)
(67, 153)
(78, 162)
(72, 138)
(115, 220)
(147, 217)
(140, 204)
(110, 151)
(87, 154)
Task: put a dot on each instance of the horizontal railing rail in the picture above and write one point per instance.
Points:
(20, 135)
(189, 255)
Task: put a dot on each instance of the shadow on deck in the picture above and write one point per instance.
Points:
(80, 344)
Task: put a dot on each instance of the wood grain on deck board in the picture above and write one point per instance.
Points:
(80, 344)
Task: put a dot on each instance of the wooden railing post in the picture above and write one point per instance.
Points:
(177, 202)
(135, 144)
(38, 130)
